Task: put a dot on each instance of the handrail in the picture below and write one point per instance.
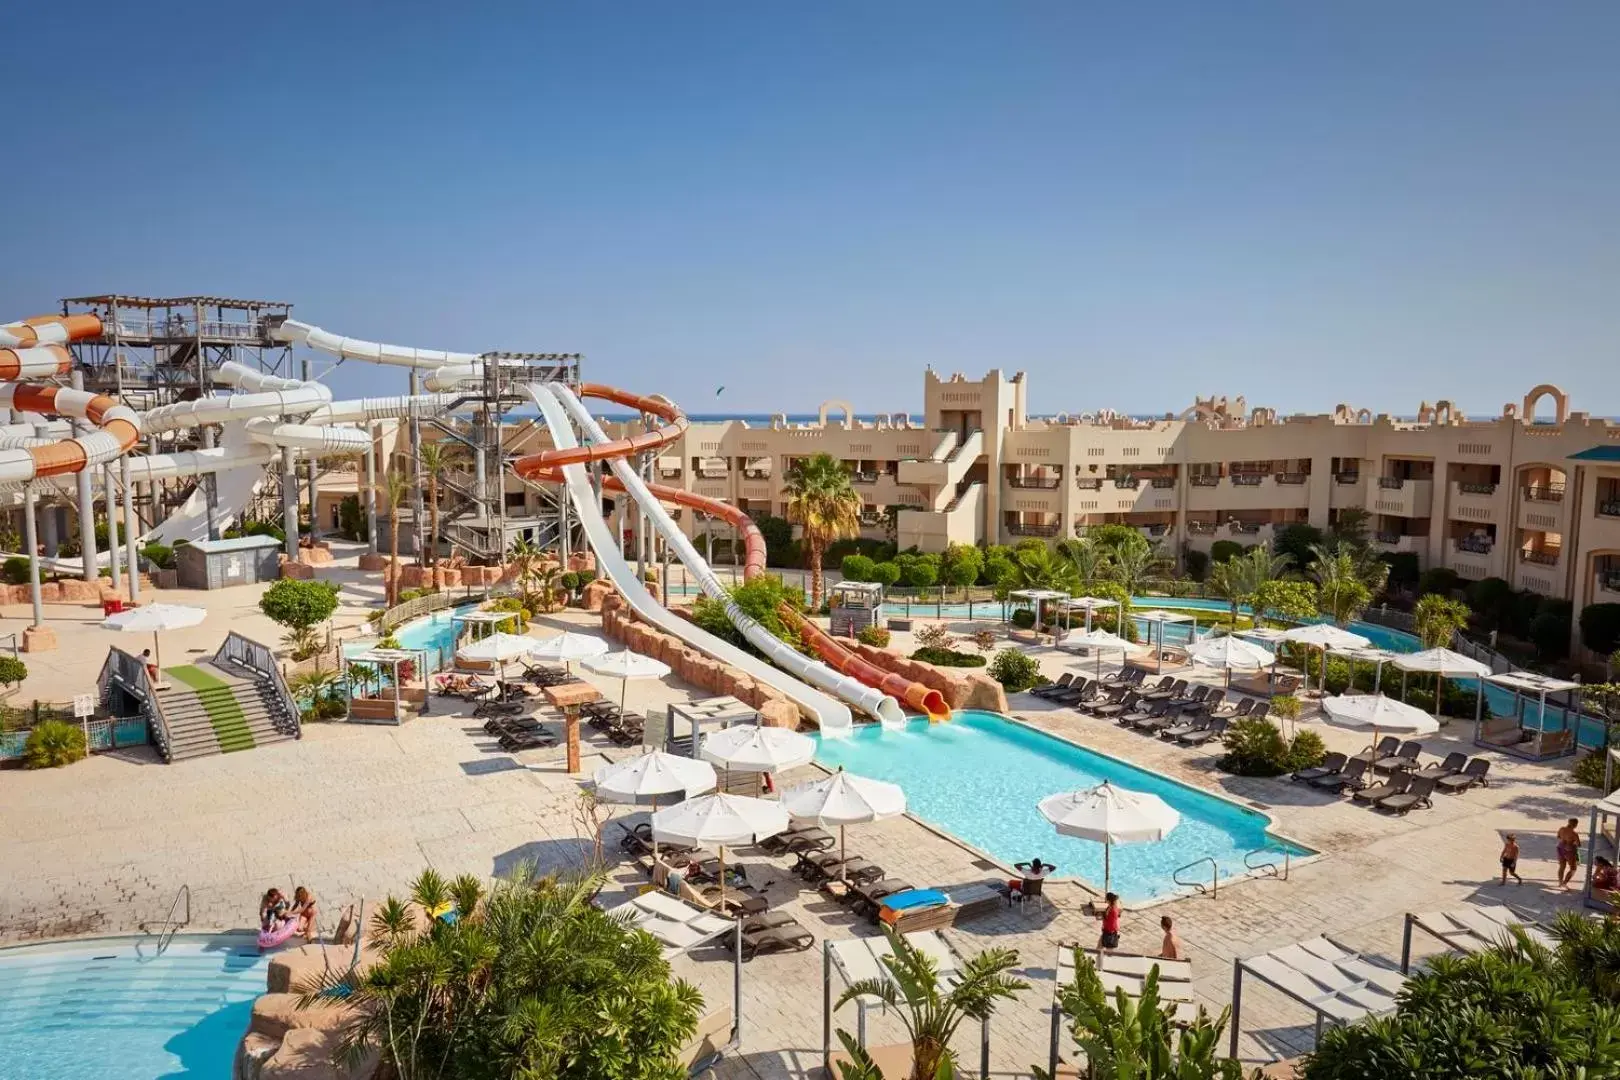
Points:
(131, 671)
(1260, 868)
(171, 927)
(1214, 876)
(258, 659)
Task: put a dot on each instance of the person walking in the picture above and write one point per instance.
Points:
(1171, 948)
(1510, 858)
(1108, 941)
(1569, 852)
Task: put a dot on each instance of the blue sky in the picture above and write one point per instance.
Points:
(1372, 202)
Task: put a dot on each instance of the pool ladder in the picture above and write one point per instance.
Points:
(1214, 876)
(1270, 867)
(171, 925)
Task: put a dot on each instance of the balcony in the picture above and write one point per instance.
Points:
(1349, 489)
(1608, 581)
(1163, 482)
(1543, 557)
(1201, 528)
(1476, 547)
(1472, 564)
(1347, 479)
(1022, 529)
(1609, 508)
(1205, 481)
(1031, 499)
(1041, 483)
(754, 490)
(1247, 479)
(1401, 542)
(1088, 483)
(756, 474)
(1550, 493)
(1246, 492)
(1403, 498)
(866, 479)
(1243, 528)
(1127, 483)
(1473, 502)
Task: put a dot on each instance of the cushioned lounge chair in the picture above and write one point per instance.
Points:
(1473, 773)
(789, 937)
(1402, 760)
(1386, 748)
(1352, 776)
(1414, 796)
(1331, 766)
(1454, 763)
(1198, 738)
(1395, 785)
(1063, 682)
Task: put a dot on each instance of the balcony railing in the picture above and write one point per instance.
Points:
(1243, 526)
(864, 478)
(1204, 481)
(1540, 558)
(1610, 580)
(1202, 528)
(1389, 538)
(1033, 530)
(1088, 483)
(1347, 478)
(1609, 508)
(711, 474)
(1473, 546)
(1544, 492)
(756, 474)
(1127, 483)
(1163, 482)
(669, 474)
(1290, 478)
(1044, 483)
(1391, 483)
(1477, 489)
(1154, 531)
(1248, 479)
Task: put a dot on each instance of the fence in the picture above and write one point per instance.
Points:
(102, 732)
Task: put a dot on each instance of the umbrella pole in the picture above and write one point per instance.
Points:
(1108, 868)
(1378, 677)
(722, 908)
(843, 878)
(157, 654)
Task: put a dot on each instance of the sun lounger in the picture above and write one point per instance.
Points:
(1402, 760)
(1414, 796)
(1473, 773)
(528, 740)
(1331, 766)
(1260, 711)
(1393, 786)
(1167, 717)
(1386, 748)
(1209, 705)
(1064, 681)
(1186, 727)
(1353, 776)
(1141, 713)
(1450, 767)
(1199, 738)
(1194, 696)
(863, 897)
(1075, 691)
(1232, 712)
(1124, 705)
(1175, 689)
(788, 937)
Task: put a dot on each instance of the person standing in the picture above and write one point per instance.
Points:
(1109, 939)
(1171, 949)
(1569, 852)
(1510, 858)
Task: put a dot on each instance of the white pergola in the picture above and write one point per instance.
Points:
(1371, 655)
(391, 658)
(1159, 617)
(1527, 684)
(1088, 604)
(1035, 598)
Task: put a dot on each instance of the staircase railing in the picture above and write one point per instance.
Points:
(258, 659)
(1214, 876)
(171, 925)
(130, 671)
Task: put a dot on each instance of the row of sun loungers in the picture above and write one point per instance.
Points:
(1407, 784)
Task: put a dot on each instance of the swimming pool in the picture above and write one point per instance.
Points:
(108, 1009)
(980, 776)
(435, 634)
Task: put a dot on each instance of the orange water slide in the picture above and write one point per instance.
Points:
(547, 466)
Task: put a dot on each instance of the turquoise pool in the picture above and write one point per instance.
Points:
(107, 1009)
(980, 776)
(435, 634)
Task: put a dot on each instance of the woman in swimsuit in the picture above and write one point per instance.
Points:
(272, 910)
(303, 908)
(1569, 852)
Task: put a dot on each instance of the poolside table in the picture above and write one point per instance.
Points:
(569, 697)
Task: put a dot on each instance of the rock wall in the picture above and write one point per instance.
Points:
(71, 591)
(620, 624)
(284, 1042)
(963, 688)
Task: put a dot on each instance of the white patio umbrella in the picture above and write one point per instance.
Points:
(1443, 663)
(844, 799)
(652, 778)
(568, 646)
(625, 665)
(1110, 815)
(757, 748)
(498, 648)
(1324, 636)
(152, 619)
(1379, 713)
(1231, 653)
(720, 819)
(1101, 641)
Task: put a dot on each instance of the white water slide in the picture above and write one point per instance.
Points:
(832, 715)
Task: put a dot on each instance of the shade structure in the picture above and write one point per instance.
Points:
(1324, 636)
(499, 646)
(756, 748)
(1232, 654)
(844, 799)
(1088, 604)
(1441, 662)
(1379, 713)
(568, 646)
(1159, 617)
(720, 819)
(625, 665)
(153, 619)
(1372, 655)
(654, 777)
(1110, 815)
(1101, 641)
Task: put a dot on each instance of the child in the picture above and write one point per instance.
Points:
(1171, 948)
(1510, 859)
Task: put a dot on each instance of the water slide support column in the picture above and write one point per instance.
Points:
(48, 536)
(111, 487)
(31, 538)
(289, 499)
(129, 531)
(87, 500)
(371, 493)
(210, 491)
(416, 473)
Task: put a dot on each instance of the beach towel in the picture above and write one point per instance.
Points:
(915, 898)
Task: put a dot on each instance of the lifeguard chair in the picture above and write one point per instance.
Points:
(853, 606)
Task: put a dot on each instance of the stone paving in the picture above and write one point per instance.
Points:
(355, 812)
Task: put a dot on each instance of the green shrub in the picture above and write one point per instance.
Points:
(1438, 579)
(1196, 564)
(780, 550)
(886, 574)
(1257, 748)
(15, 569)
(1015, 671)
(12, 671)
(857, 568)
(297, 604)
(53, 744)
(760, 599)
(947, 658)
(513, 604)
(1223, 550)
(1600, 628)
(1550, 629)
(159, 555)
(1404, 568)
(352, 524)
(1023, 618)
(874, 635)
(1589, 770)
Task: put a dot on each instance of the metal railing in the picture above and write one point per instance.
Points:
(1204, 481)
(1127, 483)
(131, 671)
(1608, 508)
(1347, 478)
(1247, 479)
(1034, 530)
(1391, 483)
(1540, 558)
(171, 926)
(1293, 478)
(1476, 489)
(258, 659)
(1476, 547)
(1046, 483)
(1214, 876)
(1163, 482)
(1544, 492)
(1088, 483)
(1267, 867)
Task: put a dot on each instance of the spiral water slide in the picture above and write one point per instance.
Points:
(37, 348)
(865, 685)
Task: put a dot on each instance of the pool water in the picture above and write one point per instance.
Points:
(979, 777)
(108, 1009)
(435, 634)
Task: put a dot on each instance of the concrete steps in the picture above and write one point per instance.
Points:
(219, 719)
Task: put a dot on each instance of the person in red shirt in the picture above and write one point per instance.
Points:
(1109, 940)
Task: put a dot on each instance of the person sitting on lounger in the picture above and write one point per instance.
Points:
(1604, 875)
(151, 668)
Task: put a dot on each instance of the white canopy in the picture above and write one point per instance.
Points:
(1379, 713)
(1325, 636)
(1530, 682)
(677, 925)
(1231, 653)
(1109, 816)
(1265, 633)
(845, 799)
(1099, 639)
(1088, 603)
(569, 646)
(1370, 654)
(1440, 662)
(151, 618)
(653, 778)
(499, 646)
(757, 748)
(1038, 594)
(1159, 615)
(625, 664)
(720, 819)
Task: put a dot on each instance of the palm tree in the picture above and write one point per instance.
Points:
(1437, 619)
(530, 979)
(822, 502)
(1342, 593)
(1090, 560)
(393, 488)
(1227, 581)
(433, 459)
(1135, 566)
(931, 1016)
